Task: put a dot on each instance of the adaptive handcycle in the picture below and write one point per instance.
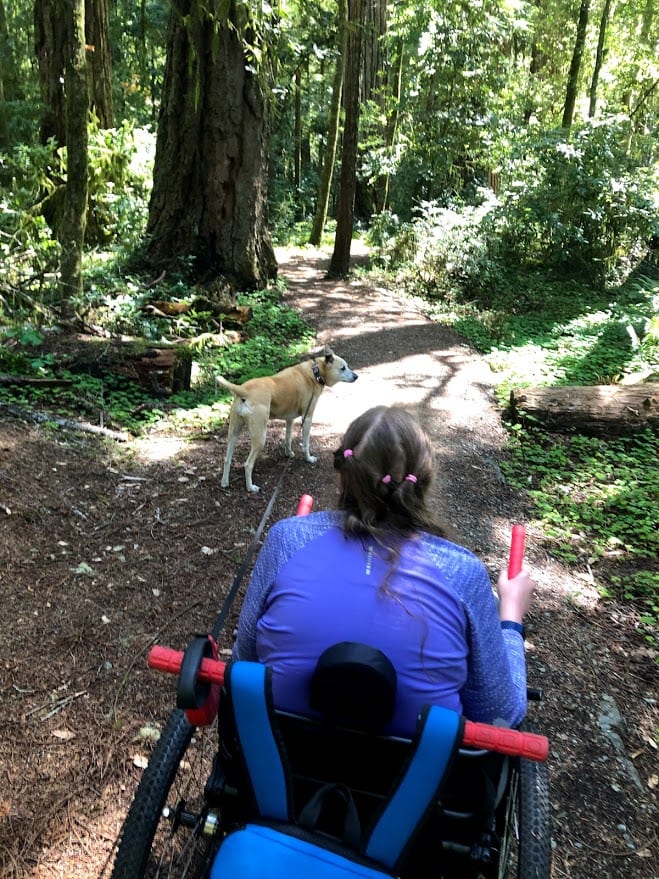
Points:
(236, 786)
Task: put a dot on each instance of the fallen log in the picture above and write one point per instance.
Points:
(18, 380)
(223, 311)
(66, 423)
(590, 409)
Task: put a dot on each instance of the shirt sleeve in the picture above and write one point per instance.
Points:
(260, 583)
(496, 677)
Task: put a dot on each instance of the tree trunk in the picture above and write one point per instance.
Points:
(72, 232)
(49, 36)
(209, 199)
(10, 85)
(297, 137)
(99, 67)
(391, 127)
(599, 58)
(50, 39)
(329, 159)
(575, 66)
(340, 262)
(596, 409)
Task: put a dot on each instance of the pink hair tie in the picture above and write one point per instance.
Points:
(410, 477)
(347, 453)
(386, 478)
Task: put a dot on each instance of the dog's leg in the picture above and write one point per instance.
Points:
(257, 429)
(288, 441)
(236, 424)
(306, 437)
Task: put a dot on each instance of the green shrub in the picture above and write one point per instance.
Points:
(576, 204)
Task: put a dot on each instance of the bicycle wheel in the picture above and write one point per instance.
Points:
(163, 834)
(526, 832)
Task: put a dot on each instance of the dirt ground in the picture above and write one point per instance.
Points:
(107, 548)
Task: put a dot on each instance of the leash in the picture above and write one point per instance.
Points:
(242, 570)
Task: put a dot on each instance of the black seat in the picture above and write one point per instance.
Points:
(355, 685)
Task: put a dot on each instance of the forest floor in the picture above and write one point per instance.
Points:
(107, 548)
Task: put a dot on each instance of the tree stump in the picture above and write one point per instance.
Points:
(591, 409)
(161, 371)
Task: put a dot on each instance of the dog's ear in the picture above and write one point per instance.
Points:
(329, 354)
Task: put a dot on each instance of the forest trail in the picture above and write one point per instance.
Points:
(599, 681)
(106, 548)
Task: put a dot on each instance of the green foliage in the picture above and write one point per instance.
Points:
(120, 162)
(139, 34)
(276, 337)
(32, 182)
(596, 502)
(577, 206)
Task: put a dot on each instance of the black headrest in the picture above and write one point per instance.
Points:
(354, 684)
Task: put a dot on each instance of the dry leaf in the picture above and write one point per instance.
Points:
(63, 734)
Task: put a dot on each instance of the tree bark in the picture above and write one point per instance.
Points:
(575, 66)
(340, 261)
(329, 159)
(593, 409)
(72, 232)
(99, 67)
(50, 39)
(209, 199)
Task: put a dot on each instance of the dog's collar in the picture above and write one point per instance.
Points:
(316, 373)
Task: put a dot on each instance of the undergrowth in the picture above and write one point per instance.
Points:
(594, 499)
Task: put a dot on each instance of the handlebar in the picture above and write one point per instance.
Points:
(477, 735)
(304, 505)
(516, 551)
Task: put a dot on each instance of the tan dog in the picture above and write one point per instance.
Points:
(290, 394)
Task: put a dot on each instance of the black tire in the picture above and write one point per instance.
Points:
(526, 843)
(155, 840)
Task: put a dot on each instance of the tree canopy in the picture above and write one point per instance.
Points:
(445, 102)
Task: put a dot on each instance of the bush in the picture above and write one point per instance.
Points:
(576, 205)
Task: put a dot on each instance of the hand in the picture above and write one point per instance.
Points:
(514, 595)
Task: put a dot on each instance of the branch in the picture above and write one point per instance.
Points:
(67, 423)
(33, 380)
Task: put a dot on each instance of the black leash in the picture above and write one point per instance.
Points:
(242, 570)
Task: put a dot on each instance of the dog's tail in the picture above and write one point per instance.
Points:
(235, 389)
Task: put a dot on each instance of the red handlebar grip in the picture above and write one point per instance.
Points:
(476, 735)
(165, 659)
(516, 551)
(506, 741)
(304, 505)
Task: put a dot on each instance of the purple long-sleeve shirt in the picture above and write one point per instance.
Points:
(436, 619)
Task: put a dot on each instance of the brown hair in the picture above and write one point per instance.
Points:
(386, 465)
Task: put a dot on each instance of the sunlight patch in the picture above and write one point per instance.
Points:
(159, 448)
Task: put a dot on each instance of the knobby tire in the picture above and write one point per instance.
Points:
(150, 846)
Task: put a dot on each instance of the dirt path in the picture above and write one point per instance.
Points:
(105, 549)
(599, 683)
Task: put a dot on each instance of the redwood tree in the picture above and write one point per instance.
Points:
(209, 199)
(72, 230)
(50, 41)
